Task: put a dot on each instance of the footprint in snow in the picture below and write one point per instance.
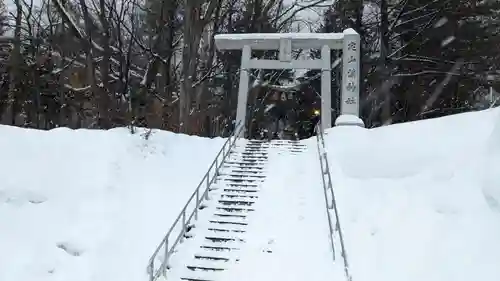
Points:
(70, 249)
(492, 202)
(20, 197)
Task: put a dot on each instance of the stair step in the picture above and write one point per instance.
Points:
(257, 145)
(226, 230)
(230, 195)
(286, 145)
(248, 171)
(252, 154)
(235, 179)
(253, 157)
(249, 175)
(242, 178)
(200, 275)
(222, 239)
(278, 141)
(210, 257)
(228, 200)
(195, 279)
(218, 248)
(249, 160)
(229, 215)
(246, 158)
(230, 219)
(236, 202)
(241, 163)
(257, 149)
(226, 233)
(249, 165)
(227, 246)
(241, 190)
(228, 222)
(221, 245)
(251, 151)
(202, 268)
(213, 261)
(242, 184)
(283, 146)
(234, 209)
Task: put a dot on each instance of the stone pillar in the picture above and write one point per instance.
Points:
(349, 105)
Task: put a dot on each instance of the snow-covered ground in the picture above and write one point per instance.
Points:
(421, 201)
(418, 201)
(91, 205)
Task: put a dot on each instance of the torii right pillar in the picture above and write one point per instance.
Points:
(351, 60)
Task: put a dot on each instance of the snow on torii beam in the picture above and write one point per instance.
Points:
(348, 41)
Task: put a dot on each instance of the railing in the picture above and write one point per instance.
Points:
(190, 210)
(331, 204)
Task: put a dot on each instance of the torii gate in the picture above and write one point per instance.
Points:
(348, 41)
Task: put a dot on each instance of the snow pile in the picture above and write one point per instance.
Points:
(91, 205)
(420, 201)
(491, 168)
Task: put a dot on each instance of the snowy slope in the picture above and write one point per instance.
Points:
(417, 201)
(91, 205)
(420, 201)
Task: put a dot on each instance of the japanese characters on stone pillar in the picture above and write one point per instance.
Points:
(350, 73)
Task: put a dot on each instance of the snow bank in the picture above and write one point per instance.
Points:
(491, 168)
(91, 205)
(420, 201)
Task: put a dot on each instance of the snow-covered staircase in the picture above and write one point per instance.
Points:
(213, 244)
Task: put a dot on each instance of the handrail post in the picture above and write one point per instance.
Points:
(184, 221)
(150, 272)
(166, 255)
(197, 204)
(206, 190)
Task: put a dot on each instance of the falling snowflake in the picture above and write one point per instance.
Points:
(442, 21)
(447, 41)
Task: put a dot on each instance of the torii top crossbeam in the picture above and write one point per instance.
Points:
(271, 41)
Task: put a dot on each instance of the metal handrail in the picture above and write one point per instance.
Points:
(331, 204)
(186, 218)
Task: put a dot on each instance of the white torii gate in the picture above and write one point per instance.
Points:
(348, 41)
